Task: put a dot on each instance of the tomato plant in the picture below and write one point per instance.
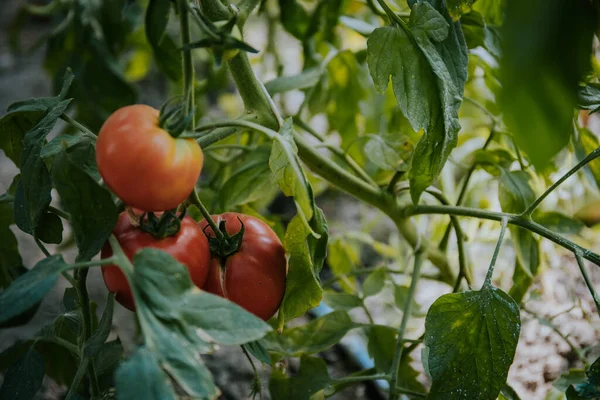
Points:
(372, 151)
(189, 246)
(254, 275)
(144, 165)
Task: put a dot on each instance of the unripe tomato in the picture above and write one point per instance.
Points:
(189, 246)
(144, 165)
(254, 277)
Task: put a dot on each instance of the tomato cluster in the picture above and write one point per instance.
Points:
(151, 171)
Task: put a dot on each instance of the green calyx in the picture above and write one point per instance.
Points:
(226, 245)
(173, 117)
(168, 224)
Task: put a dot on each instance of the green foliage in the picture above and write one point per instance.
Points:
(24, 378)
(540, 75)
(487, 320)
(166, 54)
(312, 377)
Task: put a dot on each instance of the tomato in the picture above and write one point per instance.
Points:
(189, 246)
(144, 165)
(253, 277)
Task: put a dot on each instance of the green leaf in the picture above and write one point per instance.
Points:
(313, 337)
(302, 291)
(514, 191)
(288, 173)
(294, 18)
(10, 259)
(341, 301)
(558, 222)
(33, 191)
(492, 10)
(459, 7)
(508, 393)
(591, 388)
(140, 377)
(258, 351)
(317, 246)
(24, 378)
(59, 143)
(252, 182)
(472, 334)
(346, 79)
(304, 80)
(374, 282)
(571, 377)
(424, 86)
(494, 161)
(13, 126)
(50, 228)
(93, 213)
(381, 345)
(540, 76)
(312, 378)
(94, 344)
(585, 143)
(588, 97)
(527, 248)
(106, 362)
(400, 297)
(342, 259)
(522, 281)
(30, 288)
(166, 53)
(381, 154)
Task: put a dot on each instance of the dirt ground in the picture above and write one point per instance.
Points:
(543, 352)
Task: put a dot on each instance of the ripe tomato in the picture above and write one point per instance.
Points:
(144, 165)
(254, 277)
(189, 246)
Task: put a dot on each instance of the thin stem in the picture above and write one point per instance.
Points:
(463, 190)
(392, 186)
(545, 321)
(490, 272)
(195, 200)
(246, 7)
(78, 377)
(63, 214)
(367, 270)
(250, 360)
(590, 157)
(367, 312)
(78, 126)
(375, 10)
(587, 280)
(59, 341)
(214, 136)
(187, 61)
(405, 317)
(407, 392)
(360, 378)
(391, 14)
(481, 107)
(231, 123)
(86, 330)
(338, 152)
(41, 246)
(497, 216)
(93, 263)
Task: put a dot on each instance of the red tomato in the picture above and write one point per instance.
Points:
(254, 277)
(189, 246)
(144, 165)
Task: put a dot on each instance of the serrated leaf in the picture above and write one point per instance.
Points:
(166, 54)
(313, 337)
(24, 378)
(33, 191)
(140, 377)
(30, 288)
(288, 173)
(93, 213)
(312, 377)
(374, 282)
(341, 301)
(471, 334)
(540, 75)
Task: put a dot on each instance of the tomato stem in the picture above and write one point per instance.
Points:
(195, 200)
(187, 61)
